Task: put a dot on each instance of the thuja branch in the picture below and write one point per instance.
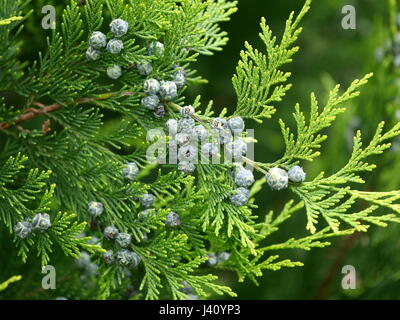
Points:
(31, 113)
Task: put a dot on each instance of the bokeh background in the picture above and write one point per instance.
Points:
(328, 55)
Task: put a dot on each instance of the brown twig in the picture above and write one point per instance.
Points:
(46, 127)
(31, 113)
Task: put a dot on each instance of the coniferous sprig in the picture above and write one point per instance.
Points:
(259, 80)
(168, 245)
(11, 68)
(324, 196)
(331, 198)
(334, 202)
(17, 193)
(308, 137)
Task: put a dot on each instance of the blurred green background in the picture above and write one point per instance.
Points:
(328, 55)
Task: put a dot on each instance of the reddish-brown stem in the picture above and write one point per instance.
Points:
(31, 113)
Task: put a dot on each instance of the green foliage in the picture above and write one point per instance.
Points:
(259, 80)
(9, 20)
(326, 196)
(5, 284)
(77, 129)
(18, 192)
(10, 17)
(308, 137)
(15, 196)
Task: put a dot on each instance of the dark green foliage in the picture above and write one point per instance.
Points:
(72, 130)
